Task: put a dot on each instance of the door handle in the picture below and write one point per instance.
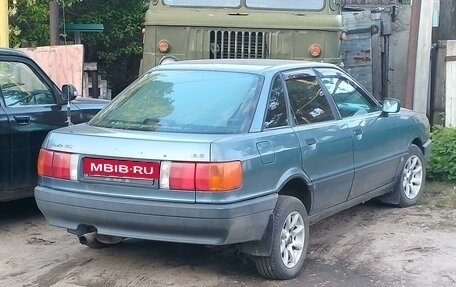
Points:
(357, 131)
(311, 141)
(22, 120)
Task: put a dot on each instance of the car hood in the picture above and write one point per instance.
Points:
(89, 103)
(146, 145)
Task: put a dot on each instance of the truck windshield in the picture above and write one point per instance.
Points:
(287, 4)
(263, 4)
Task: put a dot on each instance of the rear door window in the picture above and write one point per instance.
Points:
(308, 101)
(276, 113)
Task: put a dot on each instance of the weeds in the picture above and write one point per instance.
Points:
(439, 195)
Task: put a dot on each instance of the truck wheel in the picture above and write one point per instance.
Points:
(290, 238)
(412, 180)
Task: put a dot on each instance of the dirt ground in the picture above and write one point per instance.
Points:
(368, 245)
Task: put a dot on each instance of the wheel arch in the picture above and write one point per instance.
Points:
(293, 183)
(417, 141)
(300, 188)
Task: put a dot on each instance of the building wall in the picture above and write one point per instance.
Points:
(398, 54)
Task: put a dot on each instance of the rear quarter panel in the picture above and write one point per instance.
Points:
(264, 173)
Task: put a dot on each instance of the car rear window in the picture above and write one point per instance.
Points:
(185, 101)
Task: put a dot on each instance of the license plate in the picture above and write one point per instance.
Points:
(121, 168)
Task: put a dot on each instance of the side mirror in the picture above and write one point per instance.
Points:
(68, 93)
(391, 106)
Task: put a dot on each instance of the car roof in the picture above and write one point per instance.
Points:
(258, 66)
(12, 52)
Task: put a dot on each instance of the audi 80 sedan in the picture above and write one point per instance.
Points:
(246, 152)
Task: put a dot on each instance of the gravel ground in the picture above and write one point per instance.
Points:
(368, 245)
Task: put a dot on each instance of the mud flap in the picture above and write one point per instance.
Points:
(262, 247)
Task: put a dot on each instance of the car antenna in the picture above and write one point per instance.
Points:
(68, 105)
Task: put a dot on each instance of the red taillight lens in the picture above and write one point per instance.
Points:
(182, 176)
(61, 165)
(54, 164)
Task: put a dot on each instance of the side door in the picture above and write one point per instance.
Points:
(5, 151)
(326, 143)
(29, 100)
(376, 138)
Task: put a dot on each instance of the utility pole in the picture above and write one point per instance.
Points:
(54, 22)
(4, 31)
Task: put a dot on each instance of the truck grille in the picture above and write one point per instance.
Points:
(238, 45)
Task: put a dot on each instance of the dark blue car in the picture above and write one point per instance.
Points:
(30, 106)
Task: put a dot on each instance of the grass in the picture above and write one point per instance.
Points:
(439, 195)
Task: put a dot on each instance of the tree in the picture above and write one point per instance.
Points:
(29, 22)
(117, 49)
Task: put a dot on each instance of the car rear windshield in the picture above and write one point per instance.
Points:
(185, 101)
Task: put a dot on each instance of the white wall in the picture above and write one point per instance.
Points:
(422, 69)
(450, 86)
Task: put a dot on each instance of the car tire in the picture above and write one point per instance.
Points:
(290, 239)
(411, 182)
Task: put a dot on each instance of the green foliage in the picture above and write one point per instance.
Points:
(29, 22)
(442, 163)
(118, 48)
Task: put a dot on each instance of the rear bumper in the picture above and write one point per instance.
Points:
(153, 220)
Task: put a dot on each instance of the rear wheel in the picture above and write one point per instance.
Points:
(290, 238)
(412, 180)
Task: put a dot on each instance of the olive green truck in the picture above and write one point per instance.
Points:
(236, 29)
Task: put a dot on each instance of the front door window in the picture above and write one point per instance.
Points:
(20, 86)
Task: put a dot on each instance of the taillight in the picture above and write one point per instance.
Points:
(182, 176)
(57, 164)
(220, 176)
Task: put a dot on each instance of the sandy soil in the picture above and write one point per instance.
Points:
(368, 245)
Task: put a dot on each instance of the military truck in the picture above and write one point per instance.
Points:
(221, 29)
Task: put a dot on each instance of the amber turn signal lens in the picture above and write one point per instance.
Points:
(223, 176)
(163, 46)
(45, 159)
(315, 50)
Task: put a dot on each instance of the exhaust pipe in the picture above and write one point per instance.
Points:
(95, 240)
(88, 239)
